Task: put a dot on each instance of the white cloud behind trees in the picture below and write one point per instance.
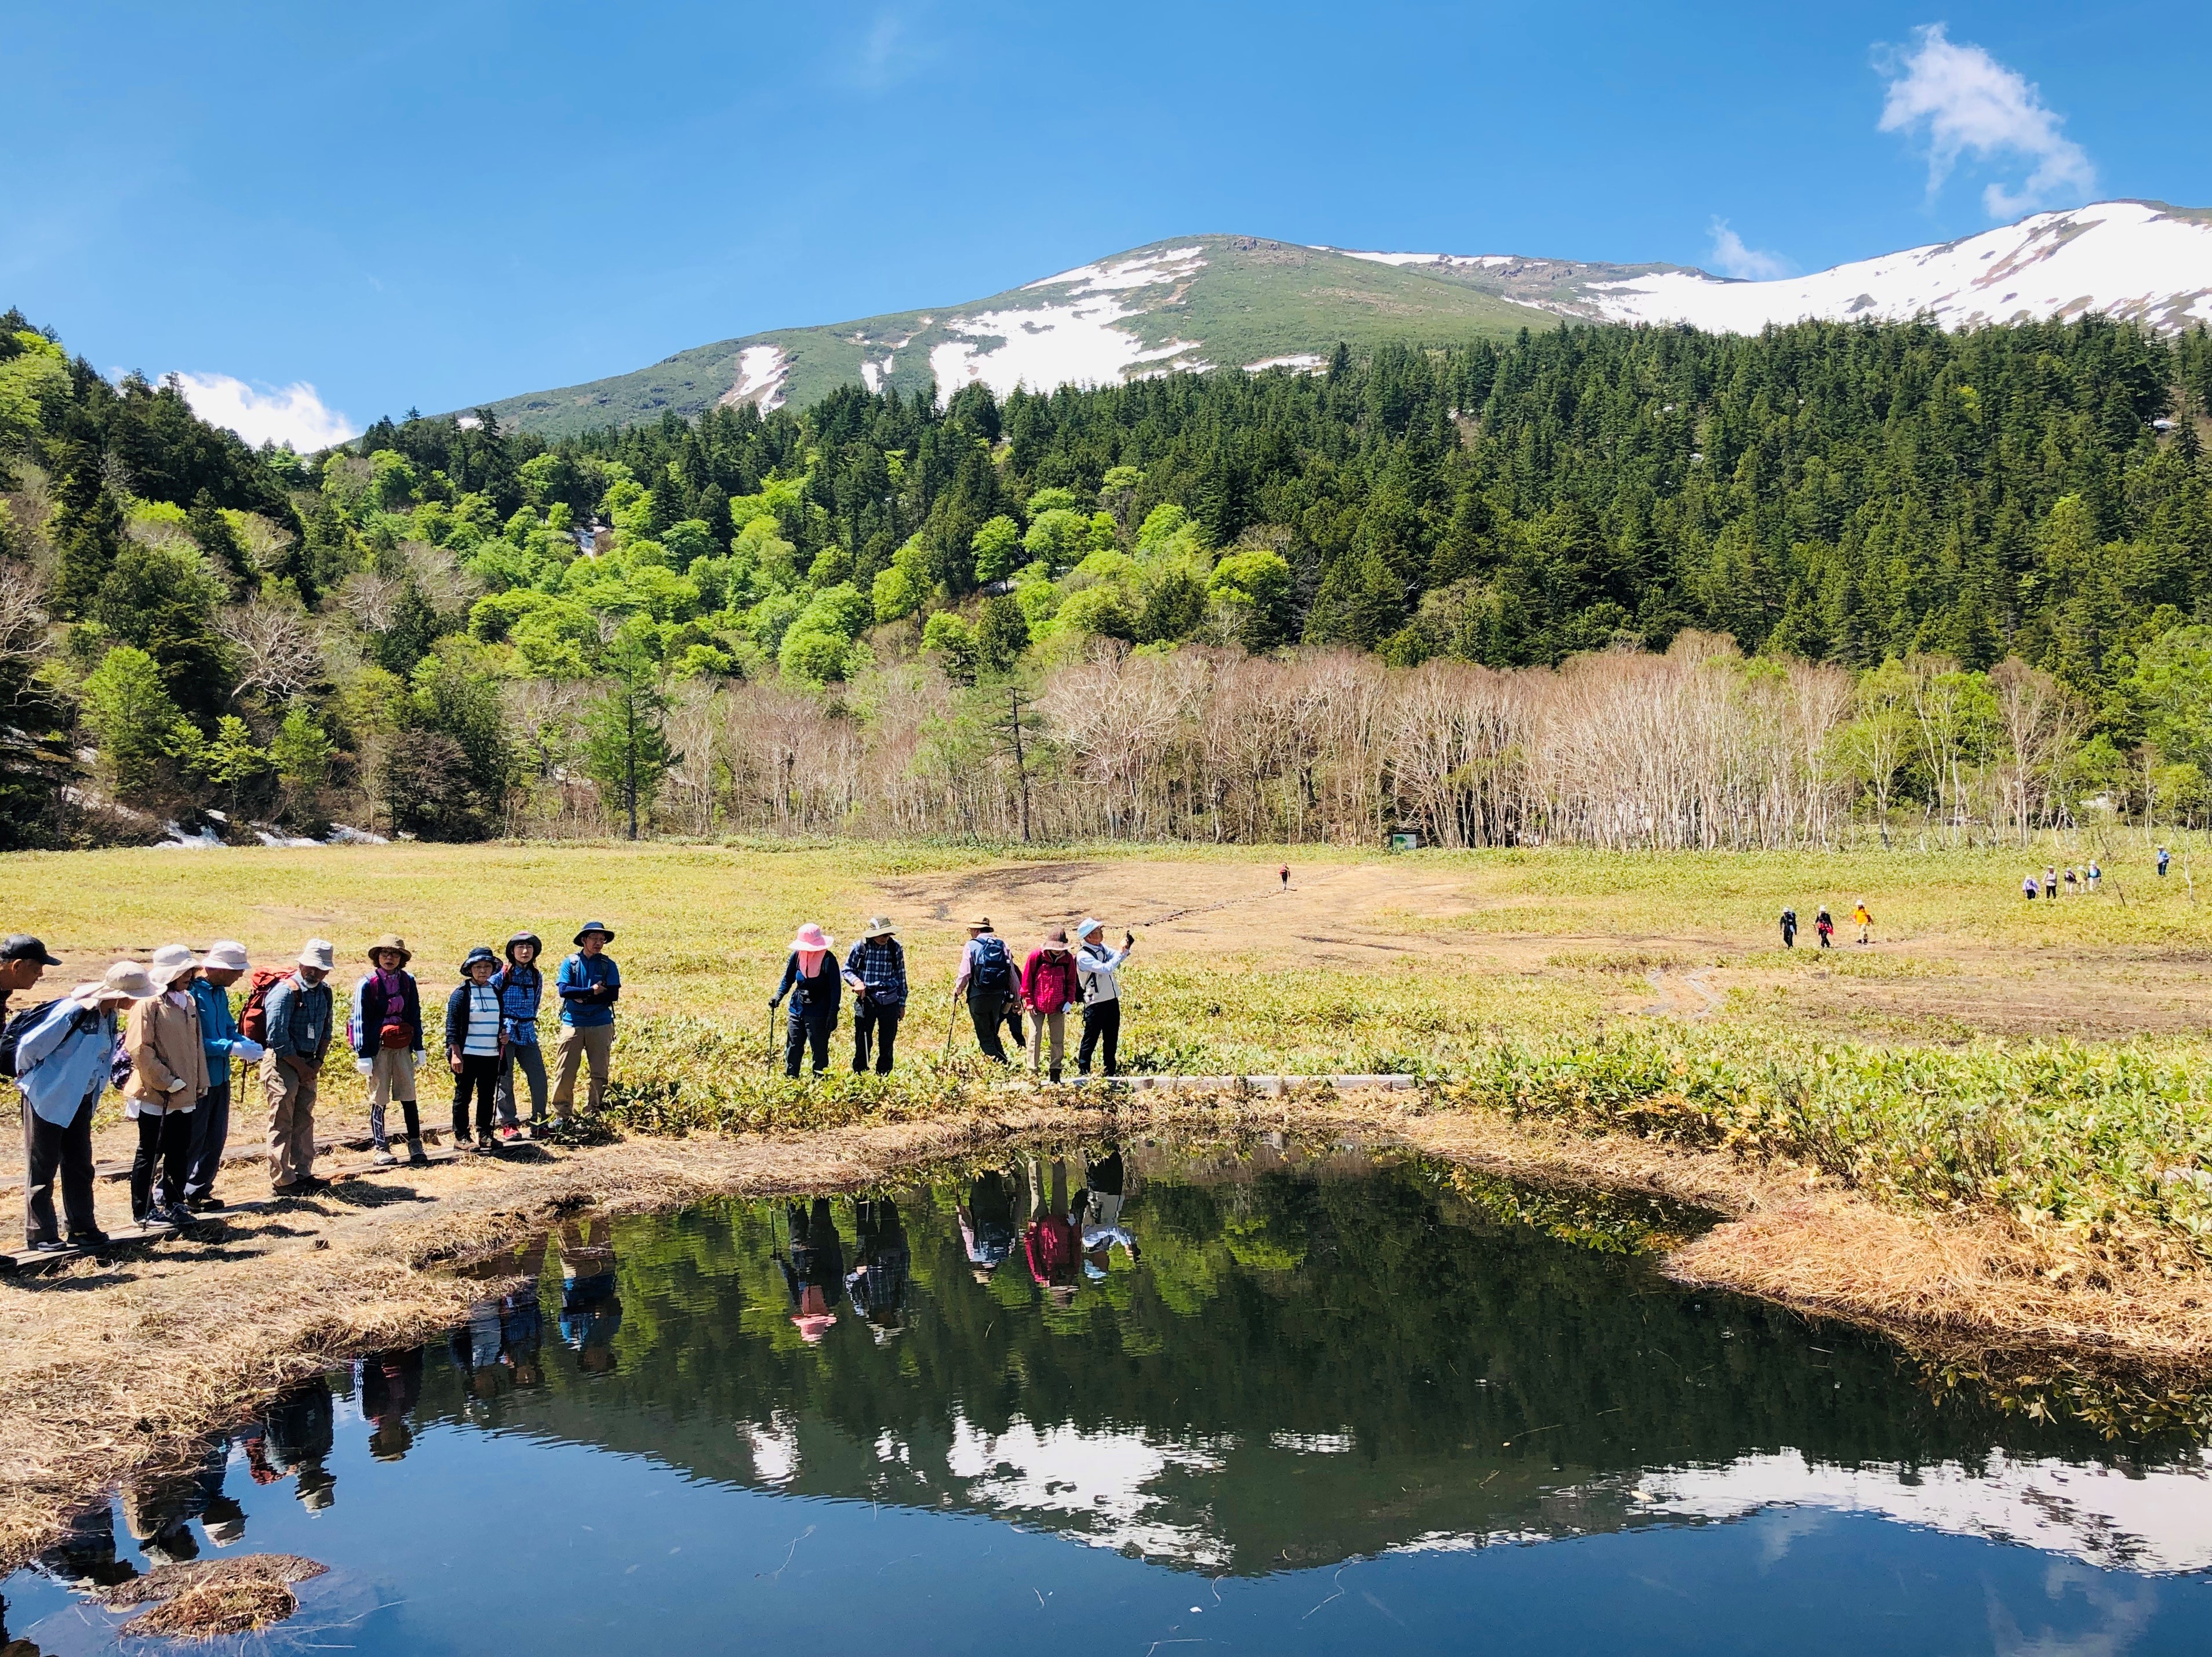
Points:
(1731, 257)
(1965, 104)
(294, 414)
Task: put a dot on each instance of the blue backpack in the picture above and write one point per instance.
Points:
(994, 973)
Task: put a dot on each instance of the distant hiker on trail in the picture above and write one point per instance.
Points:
(476, 1042)
(1788, 929)
(2051, 883)
(1100, 969)
(521, 989)
(1285, 871)
(2164, 858)
(298, 1016)
(23, 962)
(2092, 876)
(1050, 986)
(589, 985)
(1824, 926)
(810, 978)
(986, 975)
(61, 1069)
(168, 1075)
(2072, 890)
(223, 965)
(2030, 889)
(387, 1030)
(875, 969)
(1863, 919)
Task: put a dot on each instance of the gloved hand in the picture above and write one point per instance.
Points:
(366, 1067)
(248, 1049)
(177, 1085)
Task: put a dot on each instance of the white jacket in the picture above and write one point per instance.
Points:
(1098, 967)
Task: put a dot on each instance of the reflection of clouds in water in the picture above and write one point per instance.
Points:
(1778, 1530)
(2160, 1520)
(1100, 1480)
(775, 1447)
(2124, 1614)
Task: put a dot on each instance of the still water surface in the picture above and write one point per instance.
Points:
(1266, 1401)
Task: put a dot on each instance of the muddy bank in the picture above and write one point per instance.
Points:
(112, 1368)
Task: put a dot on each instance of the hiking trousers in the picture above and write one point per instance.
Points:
(808, 1027)
(1101, 1026)
(53, 1150)
(987, 1013)
(165, 1141)
(478, 1074)
(530, 1058)
(1054, 1023)
(291, 1098)
(581, 1044)
(873, 1020)
(210, 1129)
(392, 1079)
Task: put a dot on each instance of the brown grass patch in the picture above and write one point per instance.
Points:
(209, 1599)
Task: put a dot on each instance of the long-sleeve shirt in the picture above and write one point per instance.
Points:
(1100, 968)
(1049, 980)
(473, 1022)
(218, 1030)
(298, 1018)
(820, 994)
(977, 946)
(880, 965)
(520, 989)
(589, 986)
(168, 1066)
(62, 1061)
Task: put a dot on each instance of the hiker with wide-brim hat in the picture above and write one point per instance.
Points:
(813, 981)
(168, 1078)
(387, 1044)
(301, 1020)
(875, 972)
(62, 1069)
(521, 987)
(223, 965)
(987, 977)
(1050, 987)
(1100, 969)
(475, 1042)
(589, 985)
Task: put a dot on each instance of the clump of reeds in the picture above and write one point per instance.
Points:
(208, 1599)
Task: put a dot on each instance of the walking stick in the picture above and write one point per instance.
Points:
(771, 1037)
(951, 1017)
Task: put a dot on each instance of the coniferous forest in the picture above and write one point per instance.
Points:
(1622, 585)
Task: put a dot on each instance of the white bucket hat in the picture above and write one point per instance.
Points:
(319, 952)
(171, 962)
(227, 956)
(127, 978)
(1090, 925)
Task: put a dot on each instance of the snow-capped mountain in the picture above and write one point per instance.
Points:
(1215, 301)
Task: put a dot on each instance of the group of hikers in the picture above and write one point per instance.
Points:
(1824, 925)
(2086, 880)
(165, 1033)
(1053, 978)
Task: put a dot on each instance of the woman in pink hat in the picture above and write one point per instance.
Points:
(810, 979)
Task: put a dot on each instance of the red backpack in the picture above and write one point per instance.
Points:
(253, 1018)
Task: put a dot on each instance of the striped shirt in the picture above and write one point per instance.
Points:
(483, 1021)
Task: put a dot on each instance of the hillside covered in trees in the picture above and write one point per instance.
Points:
(1966, 576)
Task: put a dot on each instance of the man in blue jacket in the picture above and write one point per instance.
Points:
(223, 965)
(589, 985)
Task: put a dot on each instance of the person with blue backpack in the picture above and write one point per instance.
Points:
(986, 976)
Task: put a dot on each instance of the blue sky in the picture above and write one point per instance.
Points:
(436, 205)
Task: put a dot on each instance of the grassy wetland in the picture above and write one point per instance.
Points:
(1987, 1132)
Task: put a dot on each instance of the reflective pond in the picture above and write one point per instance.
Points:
(1130, 1400)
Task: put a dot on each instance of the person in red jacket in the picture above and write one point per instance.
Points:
(1049, 986)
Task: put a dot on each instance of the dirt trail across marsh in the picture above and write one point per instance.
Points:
(120, 1365)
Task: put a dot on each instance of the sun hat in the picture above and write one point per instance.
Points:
(813, 1326)
(393, 941)
(810, 936)
(880, 926)
(1058, 935)
(981, 923)
(127, 978)
(171, 962)
(481, 952)
(227, 956)
(22, 946)
(600, 927)
(320, 954)
(521, 938)
(1090, 925)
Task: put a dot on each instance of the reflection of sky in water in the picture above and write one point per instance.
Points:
(1127, 1477)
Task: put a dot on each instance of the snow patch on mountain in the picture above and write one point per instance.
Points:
(1077, 342)
(1304, 361)
(762, 370)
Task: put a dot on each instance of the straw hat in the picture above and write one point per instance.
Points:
(880, 926)
(171, 962)
(391, 941)
(811, 936)
(320, 953)
(227, 956)
(981, 923)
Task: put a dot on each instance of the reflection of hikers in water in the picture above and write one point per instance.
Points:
(521, 1331)
(390, 1383)
(159, 1507)
(474, 1348)
(85, 1555)
(882, 1266)
(1099, 1213)
(1050, 1242)
(814, 1271)
(293, 1438)
(987, 1223)
(590, 1312)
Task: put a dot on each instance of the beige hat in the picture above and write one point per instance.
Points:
(171, 962)
(981, 923)
(227, 956)
(391, 941)
(880, 926)
(127, 978)
(320, 953)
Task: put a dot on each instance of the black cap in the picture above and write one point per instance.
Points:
(22, 946)
(479, 953)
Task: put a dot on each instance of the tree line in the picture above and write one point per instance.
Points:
(1964, 575)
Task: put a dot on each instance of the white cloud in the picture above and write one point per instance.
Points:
(1731, 257)
(1965, 102)
(292, 414)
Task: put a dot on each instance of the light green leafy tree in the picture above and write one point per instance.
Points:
(131, 714)
(300, 752)
(626, 748)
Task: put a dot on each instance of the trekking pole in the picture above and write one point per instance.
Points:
(951, 1017)
(771, 1036)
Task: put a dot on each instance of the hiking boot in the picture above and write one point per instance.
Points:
(161, 1214)
(206, 1202)
(416, 1159)
(1054, 1077)
(94, 1238)
(49, 1246)
(382, 1157)
(486, 1144)
(309, 1184)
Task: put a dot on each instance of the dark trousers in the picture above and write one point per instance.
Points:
(809, 1027)
(479, 1075)
(872, 1019)
(1101, 1024)
(51, 1150)
(166, 1139)
(528, 1058)
(988, 1012)
(210, 1122)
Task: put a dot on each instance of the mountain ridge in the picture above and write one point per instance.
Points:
(1216, 301)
